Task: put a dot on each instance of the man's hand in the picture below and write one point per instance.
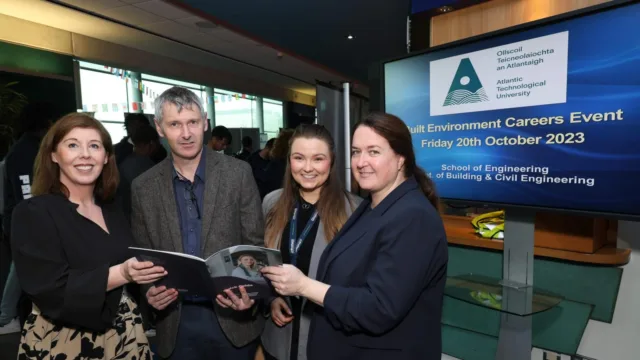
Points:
(234, 302)
(161, 297)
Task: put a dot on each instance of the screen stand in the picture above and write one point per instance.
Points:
(514, 341)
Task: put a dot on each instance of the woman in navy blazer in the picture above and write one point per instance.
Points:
(381, 280)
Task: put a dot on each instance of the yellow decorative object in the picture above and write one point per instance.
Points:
(490, 225)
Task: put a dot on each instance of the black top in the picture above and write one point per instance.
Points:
(62, 259)
(303, 261)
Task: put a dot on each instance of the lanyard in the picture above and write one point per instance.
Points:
(294, 241)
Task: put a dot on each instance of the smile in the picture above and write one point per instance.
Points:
(309, 176)
(84, 167)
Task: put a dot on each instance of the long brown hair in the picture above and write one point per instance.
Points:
(46, 178)
(330, 205)
(397, 134)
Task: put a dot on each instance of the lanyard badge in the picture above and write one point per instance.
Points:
(294, 241)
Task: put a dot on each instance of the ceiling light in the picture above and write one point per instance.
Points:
(445, 9)
(206, 25)
(350, 37)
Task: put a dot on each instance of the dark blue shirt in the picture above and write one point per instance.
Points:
(189, 198)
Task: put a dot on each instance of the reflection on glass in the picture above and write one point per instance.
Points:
(489, 292)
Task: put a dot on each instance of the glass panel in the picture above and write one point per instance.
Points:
(155, 85)
(195, 87)
(234, 111)
(88, 65)
(489, 292)
(147, 99)
(106, 95)
(116, 130)
(273, 117)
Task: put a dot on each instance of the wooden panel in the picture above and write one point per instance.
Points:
(460, 232)
(496, 15)
(570, 232)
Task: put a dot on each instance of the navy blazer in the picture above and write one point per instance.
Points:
(387, 270)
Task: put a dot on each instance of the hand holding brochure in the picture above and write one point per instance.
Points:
(228, 268)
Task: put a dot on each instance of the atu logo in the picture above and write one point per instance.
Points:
(466, 87)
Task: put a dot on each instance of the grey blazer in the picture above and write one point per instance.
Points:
(277, 340)
(231, 216)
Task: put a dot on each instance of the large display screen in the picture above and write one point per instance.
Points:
(546, 117)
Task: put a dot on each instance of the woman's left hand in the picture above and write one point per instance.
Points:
(287, 279)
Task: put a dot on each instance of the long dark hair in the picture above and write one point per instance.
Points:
(330, 204)
(397, 134)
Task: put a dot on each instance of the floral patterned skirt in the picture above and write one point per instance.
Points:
(42, 340)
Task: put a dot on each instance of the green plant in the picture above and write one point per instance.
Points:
(11, 105)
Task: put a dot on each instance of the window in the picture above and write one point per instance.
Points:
(273, 117)
(115, 129)
(155, 85)
(105, 95)
(234, 110)
(108, 94)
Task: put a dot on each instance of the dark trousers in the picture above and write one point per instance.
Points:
(200, 337)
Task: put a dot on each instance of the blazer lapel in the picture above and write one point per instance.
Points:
(318, 248)
(211, 185)
(165, 187)
(351, 232)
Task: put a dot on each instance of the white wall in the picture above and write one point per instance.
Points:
(620, 340)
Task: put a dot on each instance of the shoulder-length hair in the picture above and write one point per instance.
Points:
(331, 203)
(46, 178)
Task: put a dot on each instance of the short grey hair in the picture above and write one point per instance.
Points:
(180, 97)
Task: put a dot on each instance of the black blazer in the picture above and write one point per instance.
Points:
(387, 271)
(62, 260)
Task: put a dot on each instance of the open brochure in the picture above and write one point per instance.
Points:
(226, 269)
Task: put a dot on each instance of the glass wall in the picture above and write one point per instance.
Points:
(273, 115)
(235, 110)
(153, 86)
(105, 95)
(108, 93)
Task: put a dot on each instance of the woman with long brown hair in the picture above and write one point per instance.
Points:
(70, 246)
(380, 283)
(301, 219)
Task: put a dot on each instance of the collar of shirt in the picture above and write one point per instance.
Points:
(200, 170)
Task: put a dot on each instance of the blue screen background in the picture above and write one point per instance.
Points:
(603, 76)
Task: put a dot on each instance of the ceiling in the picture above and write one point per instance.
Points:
(317, 30)
(163, 19)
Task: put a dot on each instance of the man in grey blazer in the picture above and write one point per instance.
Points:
(197, 201)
